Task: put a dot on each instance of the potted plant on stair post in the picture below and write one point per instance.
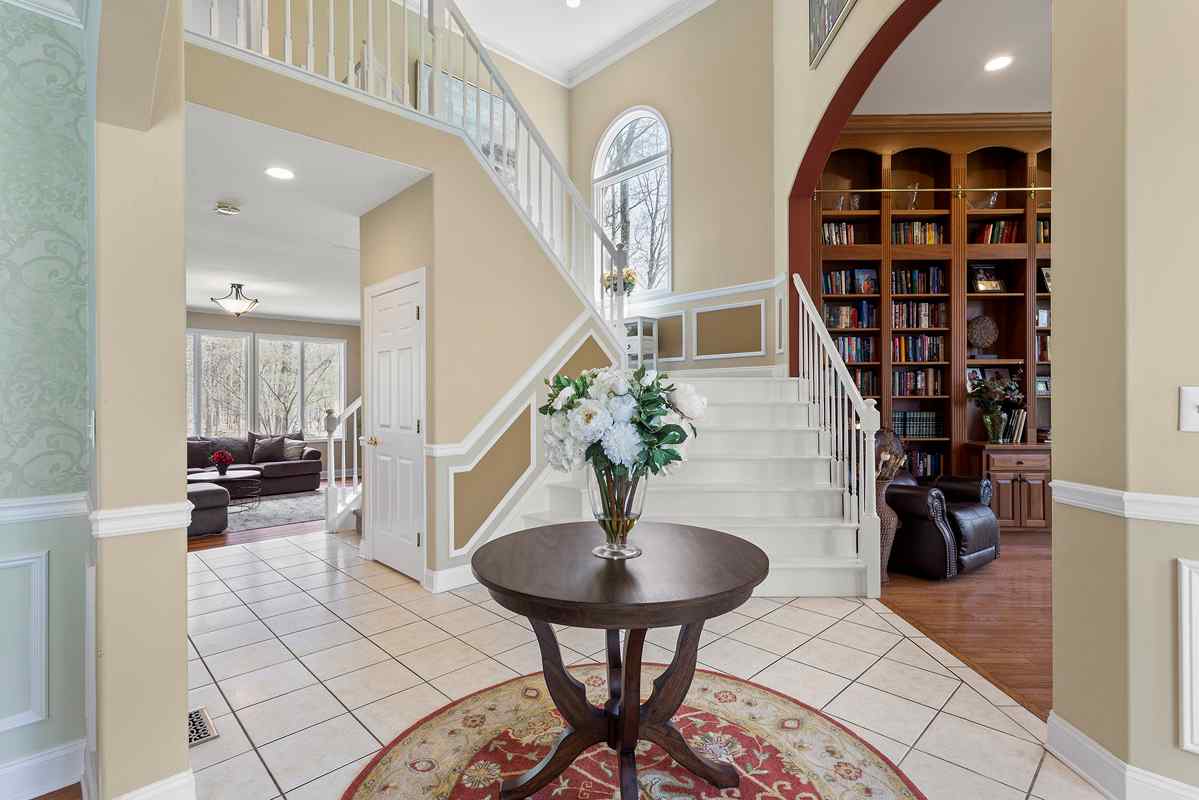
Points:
(623, 427)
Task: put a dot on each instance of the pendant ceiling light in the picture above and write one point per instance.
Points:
(236, 302)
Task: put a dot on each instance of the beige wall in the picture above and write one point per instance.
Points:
(352, 334)
(140, 664)
(478, 491)
(710, 78)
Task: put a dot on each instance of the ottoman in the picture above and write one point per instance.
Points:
(211, 508)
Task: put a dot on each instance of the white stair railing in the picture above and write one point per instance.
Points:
(343, 491)
(847, 426)
(391, 56)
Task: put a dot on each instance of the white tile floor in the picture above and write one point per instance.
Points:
(309, 659)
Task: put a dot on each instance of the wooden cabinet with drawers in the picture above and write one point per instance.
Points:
(1020, 475)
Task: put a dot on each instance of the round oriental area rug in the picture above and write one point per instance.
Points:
(783, 749)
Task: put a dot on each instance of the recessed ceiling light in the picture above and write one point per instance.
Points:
(227, 209)
(997, 63)
(573, 3)
(280, 173)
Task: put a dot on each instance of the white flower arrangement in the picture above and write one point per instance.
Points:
(624, 423)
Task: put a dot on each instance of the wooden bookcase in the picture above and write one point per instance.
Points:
(956, 161)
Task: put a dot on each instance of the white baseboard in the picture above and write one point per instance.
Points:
(446, 580)
(1114, 778)
(177, 787)
(42, 773)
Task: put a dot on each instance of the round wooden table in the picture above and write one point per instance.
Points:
(686, 575)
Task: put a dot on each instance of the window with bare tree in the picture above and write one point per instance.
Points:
(633, 197)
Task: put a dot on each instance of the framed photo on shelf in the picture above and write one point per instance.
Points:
(974, 376)
(986, 279)
(1043, 318)
(997, 374)
(1044, 386)
(1048, 285)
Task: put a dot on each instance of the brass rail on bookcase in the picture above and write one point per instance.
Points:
(946, 189)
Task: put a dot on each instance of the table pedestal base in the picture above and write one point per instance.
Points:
(623, 720)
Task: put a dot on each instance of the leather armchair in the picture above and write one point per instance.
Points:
(946, 526)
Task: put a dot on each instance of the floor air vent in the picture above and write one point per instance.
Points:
(199, 727)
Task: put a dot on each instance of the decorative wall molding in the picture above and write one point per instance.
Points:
(1178, 509)
(519, 484)
(51, 506)
(181, 786)
(1188, 654)
(71, 12)
(42, 773)
(1114, 778)
(682, 315)
(636, 39)
(695, 312)
(532, 374)
(681, 298)
(140, 519)
(39, 621)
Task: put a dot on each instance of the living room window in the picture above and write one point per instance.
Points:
(632, 195)
(295, 379)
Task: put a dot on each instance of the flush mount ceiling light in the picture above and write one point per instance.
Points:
(227, 209)
(280, 173)
(236, 302)
(997, 63)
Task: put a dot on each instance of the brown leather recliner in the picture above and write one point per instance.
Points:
(946, 526)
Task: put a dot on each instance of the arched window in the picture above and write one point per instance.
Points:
(631, 180)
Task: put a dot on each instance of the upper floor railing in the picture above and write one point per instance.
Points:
(390, 50)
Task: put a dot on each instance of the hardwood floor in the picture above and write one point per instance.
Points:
(256, 535)
(997, 619)
(69, 793)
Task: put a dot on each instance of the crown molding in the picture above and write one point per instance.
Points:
(948, 123)
(1176, 509)
(636, 39)
(71, 12)
(560, 77)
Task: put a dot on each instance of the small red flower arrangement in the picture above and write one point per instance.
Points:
(222, 459)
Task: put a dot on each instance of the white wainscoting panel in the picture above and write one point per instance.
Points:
(31, 570)
(1188, 653)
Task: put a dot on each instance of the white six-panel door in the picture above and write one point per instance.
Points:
(395, 485)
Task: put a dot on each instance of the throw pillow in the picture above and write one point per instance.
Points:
(268, 449)
(293, 449)
(255, 437)
(198, 451)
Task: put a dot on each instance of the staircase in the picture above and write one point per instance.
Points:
(343, 490)
(755, 471)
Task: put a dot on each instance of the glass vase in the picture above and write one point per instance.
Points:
(616, 502)
(993, 422)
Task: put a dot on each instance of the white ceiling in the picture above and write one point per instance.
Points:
(571, 44)
(295, 243)
(939, 68)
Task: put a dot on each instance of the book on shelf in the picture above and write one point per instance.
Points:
(922, 382)
(1042, 231)
(855, 349)
(918, 347)
(1043, 347)
(862, 314)
(919, 314)
(1013, 427)
(916, 424)
(838, 233)
(1001, 232)
(917, 233)
(851, 281)
(921, 280)
(924, 464)
(866, 380)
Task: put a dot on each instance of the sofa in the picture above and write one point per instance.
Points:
(946, 526)
(279, 475)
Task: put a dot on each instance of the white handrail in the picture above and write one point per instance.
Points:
(507, 140)
(847, 426)
(343, 490)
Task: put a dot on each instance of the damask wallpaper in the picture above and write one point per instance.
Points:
(45, 136)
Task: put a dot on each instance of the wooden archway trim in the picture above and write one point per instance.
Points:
(799, 216)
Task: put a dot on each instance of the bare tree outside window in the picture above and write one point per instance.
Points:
(322, 383)
(633, 194)
(278, 386)
(223, 392)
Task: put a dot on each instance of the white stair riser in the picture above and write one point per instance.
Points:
(790, 471)
(569, 500)
(762, 415)
(812, 580)
(755, 443)
(744, 390)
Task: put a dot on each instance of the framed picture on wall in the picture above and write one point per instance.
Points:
(825, 18)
